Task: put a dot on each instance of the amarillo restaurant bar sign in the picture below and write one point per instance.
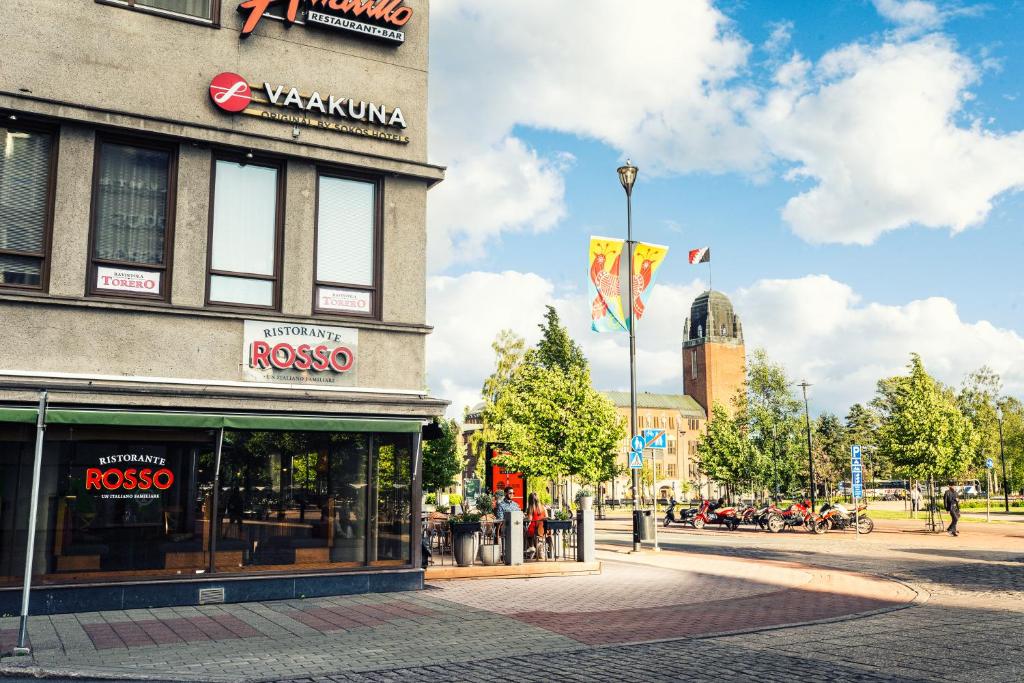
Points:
(381, 19)
(234, 94)
(299, 354)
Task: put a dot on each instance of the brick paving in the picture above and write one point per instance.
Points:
(967, 620)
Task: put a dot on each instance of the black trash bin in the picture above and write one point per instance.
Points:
(643, 526)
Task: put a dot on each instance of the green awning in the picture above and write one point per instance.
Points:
(21, 415)
(212, 421)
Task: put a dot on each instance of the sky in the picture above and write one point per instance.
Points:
(855, 167)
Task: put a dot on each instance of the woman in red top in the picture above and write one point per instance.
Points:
(535, 531)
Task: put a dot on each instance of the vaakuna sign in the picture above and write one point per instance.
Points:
(380, 19)
(233, 94)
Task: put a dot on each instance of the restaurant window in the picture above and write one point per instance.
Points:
(391, 528)
(245, 233)
(347, 246)
(26, 205)
(207, 11)
(125, 501)
(132, 215)
(16, 453)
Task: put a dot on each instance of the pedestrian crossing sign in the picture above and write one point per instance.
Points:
(636, 460)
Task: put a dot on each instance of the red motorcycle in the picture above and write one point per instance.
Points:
(797, 514)
(725, 515)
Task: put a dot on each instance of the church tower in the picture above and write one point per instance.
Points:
(713, 352)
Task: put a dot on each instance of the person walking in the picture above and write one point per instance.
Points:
(915, 498)
(952, 505)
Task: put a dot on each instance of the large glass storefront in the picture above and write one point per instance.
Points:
(130, 503)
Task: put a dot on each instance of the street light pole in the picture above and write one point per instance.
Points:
(810, 460)
(627, 176)
(1002, 456)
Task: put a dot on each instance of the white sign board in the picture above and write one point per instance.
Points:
(299, 353)
(344, 300)
(127, 280)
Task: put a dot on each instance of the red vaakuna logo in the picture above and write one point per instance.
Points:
(230, 92)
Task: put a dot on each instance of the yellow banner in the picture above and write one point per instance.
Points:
(646, 260)
(603, 283)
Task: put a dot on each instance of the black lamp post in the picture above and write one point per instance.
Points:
(627, 176)
(810, 460)
(1002, 457)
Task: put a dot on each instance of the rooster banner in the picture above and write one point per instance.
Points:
(603, 282)
(646, 260)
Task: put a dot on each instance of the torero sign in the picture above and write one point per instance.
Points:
(299, 354)
(381, 19)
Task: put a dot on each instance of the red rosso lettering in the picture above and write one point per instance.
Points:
(128, 479)
(284, 356)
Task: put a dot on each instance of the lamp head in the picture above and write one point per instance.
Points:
(627, 176)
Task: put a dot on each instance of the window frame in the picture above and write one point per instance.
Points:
(376, 305)
(212, 22)
(281, 165)
(167, 266)
(51, 193)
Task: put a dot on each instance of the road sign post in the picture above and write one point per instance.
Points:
(989, 464)
(856, 485)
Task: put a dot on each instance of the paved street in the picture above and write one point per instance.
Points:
(896, 605)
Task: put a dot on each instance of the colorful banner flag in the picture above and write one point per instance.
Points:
(646, 260)
(700, 256)
(603, 283)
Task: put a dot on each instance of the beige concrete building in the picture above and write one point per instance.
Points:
(676, 467)
(212, 259)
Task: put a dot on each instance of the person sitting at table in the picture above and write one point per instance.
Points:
(536, 513)
(506, 504)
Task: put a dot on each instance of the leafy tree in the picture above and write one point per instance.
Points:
(862, 424)
(923, 431)
(831, 449)
(441, 458)
(549, 417)
(726, 454)
(1013, 442)
(977, 399)
(509, 351)
(775, 424)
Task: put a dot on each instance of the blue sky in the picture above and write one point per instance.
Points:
(908, 114)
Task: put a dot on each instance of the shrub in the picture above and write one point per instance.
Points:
(431, 499)
(455, 499)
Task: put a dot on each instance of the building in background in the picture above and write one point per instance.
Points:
(212, 258)
(683, 419)
(714, 367)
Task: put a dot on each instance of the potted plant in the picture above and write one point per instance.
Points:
(464, 528)
(584, 499)
(562, 521)
(490, 551)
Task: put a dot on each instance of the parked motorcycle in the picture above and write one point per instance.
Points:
(797, 514)
(836, 516)
(685, 516)
(724, 515)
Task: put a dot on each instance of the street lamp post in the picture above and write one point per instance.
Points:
(810, 460)
(627, 176)
(1002, 457)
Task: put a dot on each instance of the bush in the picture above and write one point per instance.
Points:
(485, 503)
(455, 499)
(430, 499)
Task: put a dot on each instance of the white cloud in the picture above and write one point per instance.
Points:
(910, 13)
(651, 81)
(820, 329)
(876, 129)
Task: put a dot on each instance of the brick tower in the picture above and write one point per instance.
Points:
(713, 352)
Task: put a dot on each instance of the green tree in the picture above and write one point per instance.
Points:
(549, 417)
(862, 424)
(441, 458)
(831, 449)
(1013, 442)
(726, 454)
(509, 351)
(923, 431)
(977, 399)
(775, 422)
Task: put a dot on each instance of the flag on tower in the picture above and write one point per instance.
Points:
(700, 255)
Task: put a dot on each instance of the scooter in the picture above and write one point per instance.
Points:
(725, 515)
(836, 516)
(685, 516)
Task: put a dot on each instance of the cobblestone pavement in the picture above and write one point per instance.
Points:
(965, 620)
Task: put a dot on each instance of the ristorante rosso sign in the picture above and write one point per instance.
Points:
(233, 94)
(299, 353)
(129, 475)
(381, 19)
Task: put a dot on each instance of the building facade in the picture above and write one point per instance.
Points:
(676, 472)
(714, 360)
(212, 261)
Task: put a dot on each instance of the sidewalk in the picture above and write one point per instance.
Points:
(634, 599)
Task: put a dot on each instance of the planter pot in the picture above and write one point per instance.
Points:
(490, 554)
(464, 541)
(442, 500)
(586, 502)
(558, 524)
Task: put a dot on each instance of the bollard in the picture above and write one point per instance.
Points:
(513, 537)
(585, 536)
